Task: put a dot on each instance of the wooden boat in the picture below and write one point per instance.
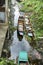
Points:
(20, 28)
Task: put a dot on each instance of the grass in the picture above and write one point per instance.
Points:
(39, 33)
(4, 61)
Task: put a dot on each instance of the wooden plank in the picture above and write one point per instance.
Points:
(3, 30)
(41, 38)
(4, 24)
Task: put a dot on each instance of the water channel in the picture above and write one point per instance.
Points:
(16, 45)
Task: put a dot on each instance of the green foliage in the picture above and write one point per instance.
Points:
(36, 9)
(4, 61)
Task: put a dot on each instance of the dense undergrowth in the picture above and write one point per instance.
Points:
(4, 61)
(35, 7)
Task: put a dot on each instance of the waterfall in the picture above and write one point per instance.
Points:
(17, 46)
(13, 2)
(15, 11)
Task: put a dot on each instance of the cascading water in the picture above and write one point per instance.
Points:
(16, 45)
(16, 13)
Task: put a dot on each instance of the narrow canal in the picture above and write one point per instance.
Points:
(16, 45)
